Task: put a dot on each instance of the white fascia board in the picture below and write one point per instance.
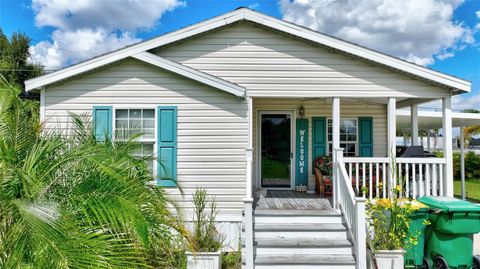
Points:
(261, 19)
(191, 73)
(359, 51)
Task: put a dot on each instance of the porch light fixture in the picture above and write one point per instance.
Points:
(301, 112)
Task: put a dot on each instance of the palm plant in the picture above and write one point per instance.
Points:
(72, 202)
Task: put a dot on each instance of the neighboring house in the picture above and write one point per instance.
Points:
(244, 102)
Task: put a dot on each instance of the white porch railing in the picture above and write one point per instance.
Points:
(373, 177)
(353, 208)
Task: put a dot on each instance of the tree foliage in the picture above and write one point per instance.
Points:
(14, 64)
(72, 202)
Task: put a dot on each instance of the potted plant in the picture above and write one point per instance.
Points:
(207, 241)
(388, 227)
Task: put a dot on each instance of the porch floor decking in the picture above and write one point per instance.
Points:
(288, 200)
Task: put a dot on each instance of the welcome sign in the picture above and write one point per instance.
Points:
(301, 156)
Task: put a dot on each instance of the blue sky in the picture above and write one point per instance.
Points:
(440, 34)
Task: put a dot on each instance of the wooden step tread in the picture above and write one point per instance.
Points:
(302, 242)
(273, 212)
(287, 227)
(304, 259)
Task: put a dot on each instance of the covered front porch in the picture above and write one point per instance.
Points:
(289, 134)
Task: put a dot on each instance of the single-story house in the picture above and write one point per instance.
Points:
(243, 103)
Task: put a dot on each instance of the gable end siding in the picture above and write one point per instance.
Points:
(268, 63)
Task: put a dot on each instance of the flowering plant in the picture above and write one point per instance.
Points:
(389, 222)
(325, 165)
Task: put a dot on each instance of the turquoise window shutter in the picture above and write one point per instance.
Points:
(102, 122)
(365, 126)
(301, 156)
(319, 137)
(167, 146)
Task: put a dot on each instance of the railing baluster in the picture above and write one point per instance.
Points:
(407, 180)
(440, 179)
(434, 179)
(363, 180)
(427, 179)
(420, 179)
(357, 178)
(370, 180)
(377, 180)
(350, 172)
(400, 178)
(384, 180)
(414, 181)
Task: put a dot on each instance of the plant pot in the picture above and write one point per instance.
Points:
(204, 260)
(389, 259)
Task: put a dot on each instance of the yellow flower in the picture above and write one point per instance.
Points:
(398, 188)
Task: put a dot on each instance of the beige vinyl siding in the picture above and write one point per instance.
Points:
(272, 64)
(212, 125)
(323, 108)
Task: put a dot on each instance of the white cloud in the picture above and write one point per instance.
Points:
(70, 47)
(254, 6)
(88, 28)
(417, 31)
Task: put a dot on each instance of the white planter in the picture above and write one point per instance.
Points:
(389, 259)
(204, 260)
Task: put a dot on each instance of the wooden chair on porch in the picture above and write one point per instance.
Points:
(323, 183)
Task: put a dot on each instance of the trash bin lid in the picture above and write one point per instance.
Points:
(416, 205)
(449, 204)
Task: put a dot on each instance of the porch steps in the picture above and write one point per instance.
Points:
(296, 239)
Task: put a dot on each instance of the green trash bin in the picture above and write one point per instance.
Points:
(449, 238)
(414, 255)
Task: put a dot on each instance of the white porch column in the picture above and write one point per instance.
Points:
(428, 140)
(462, 161)
(447, 146)
(335, 143)
(248, 200)
(391, 139)
(414, 120)
(392, 127)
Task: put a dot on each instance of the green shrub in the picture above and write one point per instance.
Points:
(232, 260)
(472, 163)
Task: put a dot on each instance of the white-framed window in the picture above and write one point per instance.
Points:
(141, 122)
(348, 136)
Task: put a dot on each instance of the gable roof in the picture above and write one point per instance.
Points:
(245, 14)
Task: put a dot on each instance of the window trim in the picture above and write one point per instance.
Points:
(148, 141)
(356, 143)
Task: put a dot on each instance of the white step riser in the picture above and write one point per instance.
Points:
(297, 219)
(316, 266)
(299, 251)
(302, 234)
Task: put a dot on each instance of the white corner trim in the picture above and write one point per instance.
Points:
(191, 73)
(42, 105)
(261, 19)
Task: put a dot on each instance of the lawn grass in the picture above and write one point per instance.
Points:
(472, 189)
(274, 169)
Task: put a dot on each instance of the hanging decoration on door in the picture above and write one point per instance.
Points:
(301, 156)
